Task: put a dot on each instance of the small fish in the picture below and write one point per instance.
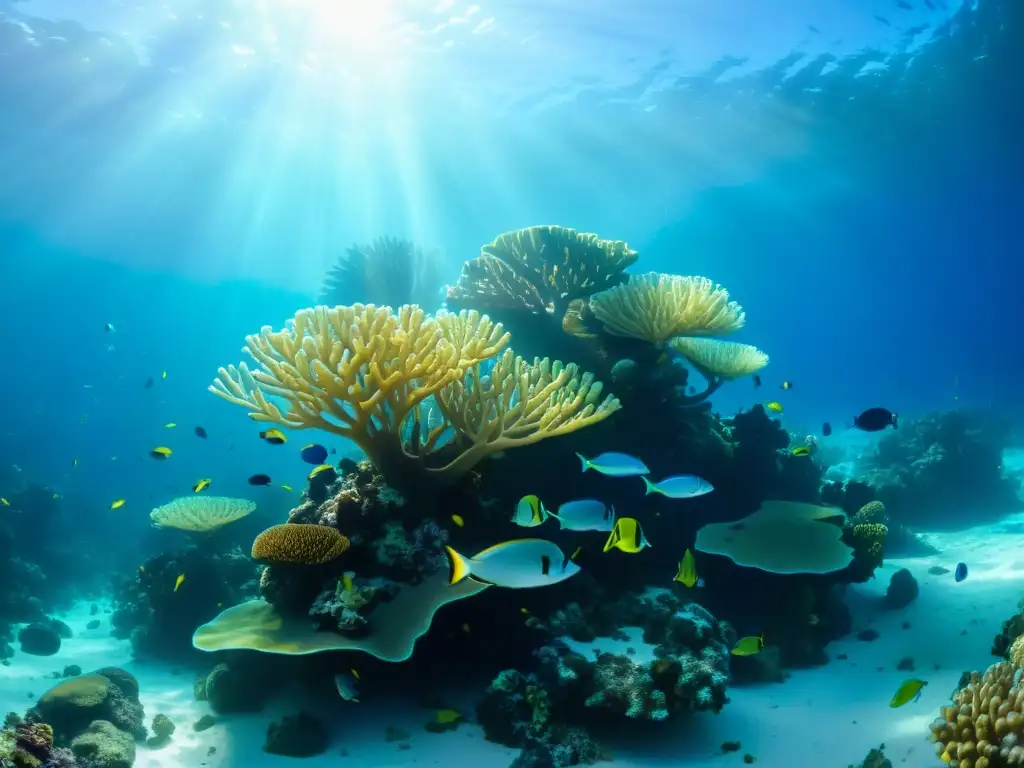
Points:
(812, 619)
(55, 496)
(347, 686)
(142, 569)
(909, 691)
(313, 454)
(287, 487)
(457, 519)
(160, 452)
(875, 420)
(757, 381)
(117, 504)
(170, 425)
(465, 628)
(614, 465)
(259, 480)
(883, 20)
(526, 611)
(774, 406)
(347, 580)
(149, 383)
(5, 502)
(74, 462)
(274, 437)
(355, 674)
(904, 5)
(626, 536)
(576, 552)
(687, 575)
(826, 429)
(202, 485)
(960, 573)
(109, 328)
(679, 486)
(331, 476)
(517, 564)
(200, 432)
(530, 512)
(447, 716)
(748, 646)
(801, 450)
(179, 581)
(786, 385)
(163, 374)
(586, 515)
(938, 570)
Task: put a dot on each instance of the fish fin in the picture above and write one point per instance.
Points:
(478, 580)
(552, 514)
(583, 461)
(458, 567)
(649, 487)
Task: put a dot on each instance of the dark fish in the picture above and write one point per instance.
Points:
(200, 432)
(875, 420)
(938, 570)
(960, 573)
(149, 383)
(813, 29)
(333, 451)
(904, 5)
(883, 20)
(314, 453)
(930, 5)
(826, 429)
(757, 381)
(260, 480)
(109, 327)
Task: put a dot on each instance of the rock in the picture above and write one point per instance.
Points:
(94, 609)
(902, 590)
(105, 745)
(298, 735)
(39, 640)
(163, 729)
(110, 694)
(230, 690)
(71, 670)
(62, 629)
(94, 624)
(204, 723)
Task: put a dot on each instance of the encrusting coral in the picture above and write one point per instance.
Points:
(363, 372)
(301, 543)
(201, 514)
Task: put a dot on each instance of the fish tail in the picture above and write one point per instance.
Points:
(649, 487)
(586, 464)
(458, 568)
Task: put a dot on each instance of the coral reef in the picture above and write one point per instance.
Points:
(300, 543)
(902, 590)
(387, 272)
(108, 694)
(298, 735)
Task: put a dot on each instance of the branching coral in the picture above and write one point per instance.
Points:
(655, 308)
(542, 270)
(201, 514)
(362, 372)
(299, 543)
(983, 726)
(718, 361)
(386, 271)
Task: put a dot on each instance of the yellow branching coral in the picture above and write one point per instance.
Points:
(541, 269)
(368, 374)
(655, 307)
(201, 514)
(301, 543)
(984, 725)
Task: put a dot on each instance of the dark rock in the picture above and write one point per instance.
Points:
(902, 591)
(39, 640)
(71, 670)
(204, 723)
(61, 628)
(94, 609)
(906, 664)
(298, 735)
(867, 635)
(233, 690)
(94, 624)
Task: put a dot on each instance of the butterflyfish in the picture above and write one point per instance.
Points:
(517, 564)
(179, 581)
(314, 454)
(347, 685)
(748, 646)
(687, 575)
(586, 515)
(274, 436)
(907, 692)
(160, 452)
(202, 485)
(117, 504)
(626, 536)
(530, 512)
(614, 464)
(679, 486)
(774, 405)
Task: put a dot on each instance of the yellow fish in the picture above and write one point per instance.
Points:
(355, 674)
(457, 519)
(626, 536)
(142, 569)
(802, 450)
(318, 470)
(524, 611)
(160, 452)
(576, 552)
(202, 485)
(117, 504)
(447, 716)
(687, 575)
(170, 425)
(163, 375)
(909, 691)
(287, 487)
(274, 437)
(5, 502)
(774, 405)
(748, 646)
(179, 581)
(55, 496)
(346, 580)
(787, 385)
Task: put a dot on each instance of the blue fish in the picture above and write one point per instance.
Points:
(314, 454)
(680, 486)
(615, 464)
(586, 515)
(960, 573)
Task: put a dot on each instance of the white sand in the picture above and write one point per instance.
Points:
(823, 717)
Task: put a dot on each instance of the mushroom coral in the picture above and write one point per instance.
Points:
(393, 629)
(201, 514)
(718, 361)
(367, 373)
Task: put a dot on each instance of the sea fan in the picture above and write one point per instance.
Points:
(386, 272)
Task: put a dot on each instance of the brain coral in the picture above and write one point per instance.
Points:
(982, 728)
(302, 543)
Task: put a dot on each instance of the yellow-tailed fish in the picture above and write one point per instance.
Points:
(457, 519)
(529, 512)
(202, 485)
(626, 536)
(274, 436)
(687, 575)
(117, 504)
(907, 692)
(748, 646)
(5, 502)
(774, 405)
(347, 580)
(517, 564)
(170, 425)
(287, 487)
(160, 452)
(614, 464)
(179, 581)
(801, 450)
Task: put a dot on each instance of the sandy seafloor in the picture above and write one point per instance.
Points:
(824, 717)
